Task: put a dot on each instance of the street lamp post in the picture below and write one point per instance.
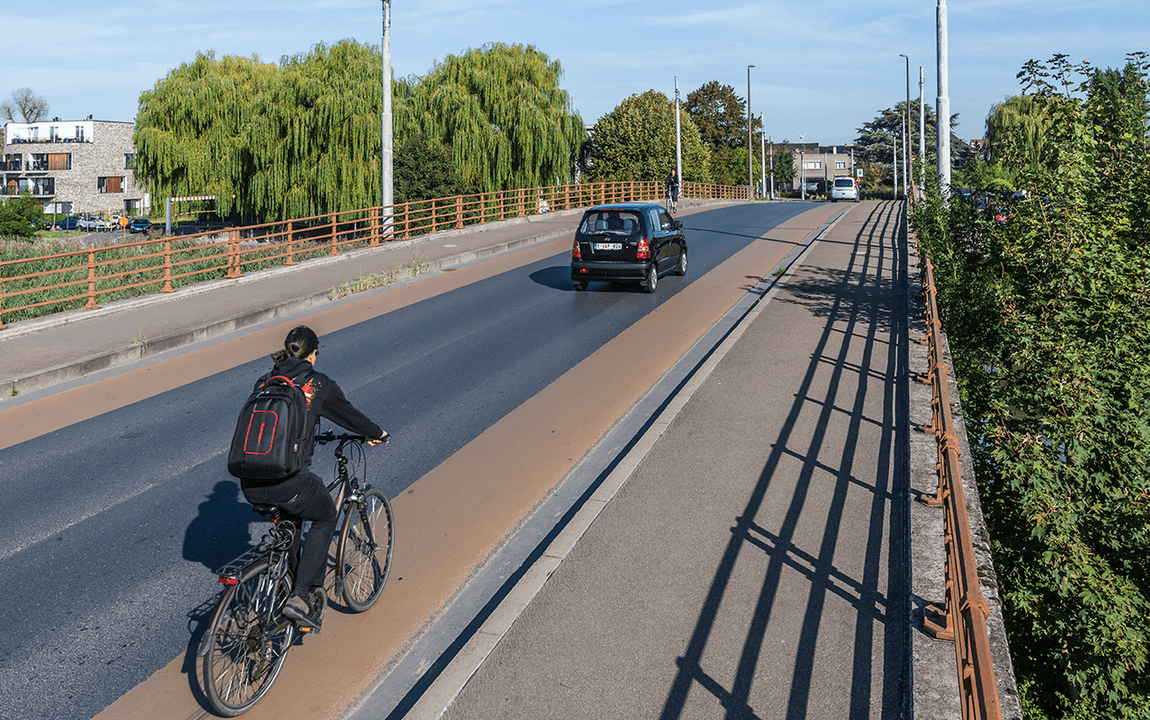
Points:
(942, 109)
(386, 176)
(750, 153)
(921, 132)
(906, 142)
(678, 138)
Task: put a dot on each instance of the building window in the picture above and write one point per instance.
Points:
(110, 185)
(39, 161)
(80, 133)
(129, 161)
(12, 162)
(813, 165)
(840, 164)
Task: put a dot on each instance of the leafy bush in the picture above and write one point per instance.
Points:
(1048, 314)
(19, 216)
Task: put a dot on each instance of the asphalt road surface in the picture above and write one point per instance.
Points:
(114, 523)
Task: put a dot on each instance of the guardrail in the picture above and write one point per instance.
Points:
(43, 284)
(964, 615)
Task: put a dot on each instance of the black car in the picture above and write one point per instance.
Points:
(628, 242)
(68, 223)
(139, 225)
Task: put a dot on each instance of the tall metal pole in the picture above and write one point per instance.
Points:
(750, 153)
(387, 176)
(771, 140)
(906, 141)
(763, 157)
(943, 106)
(678, 138)
(894, 149)
(921, 133)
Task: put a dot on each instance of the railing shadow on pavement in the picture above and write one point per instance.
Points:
(858, 305)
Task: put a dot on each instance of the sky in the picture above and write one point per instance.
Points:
(822, 68)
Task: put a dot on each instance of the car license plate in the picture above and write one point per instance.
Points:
(608, 246)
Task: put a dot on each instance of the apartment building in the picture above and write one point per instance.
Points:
(818, 165)
(83, 166)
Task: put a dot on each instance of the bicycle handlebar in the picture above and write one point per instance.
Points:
(329, 435)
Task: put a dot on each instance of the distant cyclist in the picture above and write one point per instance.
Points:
(672, 191)
(304, 494)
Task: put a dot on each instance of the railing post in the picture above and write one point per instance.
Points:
(291, 244)
(2, 325)
(458, 212)
(334, 250)
(91, 281)
(167, 266)
(375, 214)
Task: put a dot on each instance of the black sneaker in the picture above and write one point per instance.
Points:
(306, 618)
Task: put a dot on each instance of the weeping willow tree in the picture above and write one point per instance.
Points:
(636, 141)
(191, 128)
(1017, 129)
(501, 111)
(314, 136)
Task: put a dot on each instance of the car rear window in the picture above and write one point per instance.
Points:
(844, 182)
(611, 222)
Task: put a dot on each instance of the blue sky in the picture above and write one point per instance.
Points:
(822, 68)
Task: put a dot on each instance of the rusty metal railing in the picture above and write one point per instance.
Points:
(964, 614)
(85, 278)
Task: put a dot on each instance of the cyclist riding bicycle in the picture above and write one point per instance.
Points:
(304, 495)
(673, 187)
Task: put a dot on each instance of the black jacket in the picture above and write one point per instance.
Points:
(324, 399)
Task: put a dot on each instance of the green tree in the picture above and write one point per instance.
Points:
(636, 141)
(314, 134)
(20, 216)
(1017, 131)
(424, 169)
(192, 128)
(875, 141)
(784, 170)
(501, 111)
(721, 116)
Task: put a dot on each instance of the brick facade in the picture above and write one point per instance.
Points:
(73, 166)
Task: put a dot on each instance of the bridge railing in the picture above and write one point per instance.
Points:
(38, 283)
(963, 618)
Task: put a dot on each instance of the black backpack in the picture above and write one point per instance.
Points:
(270, 441)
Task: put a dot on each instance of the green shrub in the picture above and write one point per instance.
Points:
(1048, 315)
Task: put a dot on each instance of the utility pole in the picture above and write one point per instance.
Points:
(387, 177)
(678, 138)
(763, 155)
(906, 140)
(943, 106)
(750, 154)
(771, 140)
(921, 134)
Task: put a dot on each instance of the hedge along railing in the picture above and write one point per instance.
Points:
(965, 613)
(43, 284)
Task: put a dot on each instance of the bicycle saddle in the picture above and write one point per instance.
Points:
(271, 510)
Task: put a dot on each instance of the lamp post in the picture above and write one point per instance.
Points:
(750, 154)
(678, 139)
(386, 177)
(921, 133)
(763, 157)
(942, 109)
(906, 142)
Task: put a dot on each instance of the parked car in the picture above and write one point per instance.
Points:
(68, 223)
(844, 189)
(627, 242)
(106, 225)
(139, 225)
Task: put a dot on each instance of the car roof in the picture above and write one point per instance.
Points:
(623, 206)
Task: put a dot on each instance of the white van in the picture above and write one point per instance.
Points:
(844, 189)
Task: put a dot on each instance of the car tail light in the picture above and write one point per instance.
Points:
(644, 251)
(575, 254)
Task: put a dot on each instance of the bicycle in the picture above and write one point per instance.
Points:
(249, 637)
(672, 205)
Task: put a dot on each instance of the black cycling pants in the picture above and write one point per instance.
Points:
(303, 496)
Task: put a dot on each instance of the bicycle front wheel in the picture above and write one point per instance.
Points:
(248, 640)
(364, 553)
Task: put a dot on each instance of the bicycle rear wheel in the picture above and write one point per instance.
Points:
(245, 649)
(365, 547)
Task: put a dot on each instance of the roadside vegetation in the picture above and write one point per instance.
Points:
(1045, 296)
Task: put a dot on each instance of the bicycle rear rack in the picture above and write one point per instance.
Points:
(278, 538)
